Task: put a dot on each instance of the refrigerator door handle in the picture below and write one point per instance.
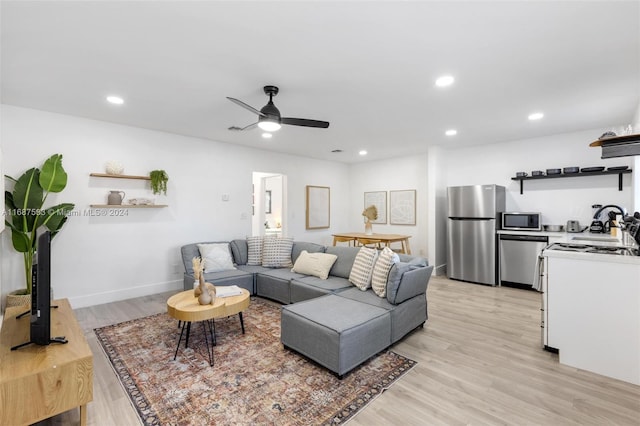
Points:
(472, 218)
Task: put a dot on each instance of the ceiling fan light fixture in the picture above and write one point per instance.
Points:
(269, 125)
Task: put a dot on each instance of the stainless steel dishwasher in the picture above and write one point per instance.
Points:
(518, 257)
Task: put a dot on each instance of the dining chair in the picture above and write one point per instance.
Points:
(348, 240)
(369, 242)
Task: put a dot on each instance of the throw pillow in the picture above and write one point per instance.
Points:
(316, 264)
(217, 257)
(254, 247)
(276, 252)
(362, 268)
(383, 265)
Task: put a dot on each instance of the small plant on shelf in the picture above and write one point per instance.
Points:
(159, 179)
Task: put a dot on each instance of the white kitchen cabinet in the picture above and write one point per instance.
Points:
(593, 313)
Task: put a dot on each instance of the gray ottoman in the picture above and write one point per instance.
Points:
(335, 332)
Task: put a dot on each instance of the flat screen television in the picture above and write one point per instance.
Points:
(40, 325)
(40, 332)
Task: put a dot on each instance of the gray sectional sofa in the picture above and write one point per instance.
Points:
(330, 321)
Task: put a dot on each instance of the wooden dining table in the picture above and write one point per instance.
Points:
(386, 239)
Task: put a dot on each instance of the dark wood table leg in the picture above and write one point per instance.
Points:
(241, 322)
(206, 341)
(186, 342)
(179, 340)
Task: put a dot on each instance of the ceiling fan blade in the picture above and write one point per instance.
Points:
(245, 106)
(305, 122)
(249, 127)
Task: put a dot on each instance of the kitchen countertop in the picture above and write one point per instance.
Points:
(586, 238)
(562, 235)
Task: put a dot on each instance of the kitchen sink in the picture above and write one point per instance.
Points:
(606, 239)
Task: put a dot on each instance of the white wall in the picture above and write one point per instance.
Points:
(389, 175)
(437, 208)
(558, 200)
(101, 259)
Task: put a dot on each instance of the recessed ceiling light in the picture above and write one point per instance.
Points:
(444, 81)
(451, 132)
(363, 152)
(117, 100)
(536, 116)
(267, 135)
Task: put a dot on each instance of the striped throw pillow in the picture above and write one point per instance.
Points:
(276, 252)
(383, 265)
(362, 268)
(254, 249)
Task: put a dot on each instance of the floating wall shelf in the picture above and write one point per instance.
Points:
(619, 146)
(569, 175)
(124, 206)
(105, 175)
(127, 206)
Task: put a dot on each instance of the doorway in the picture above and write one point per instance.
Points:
(269, 204)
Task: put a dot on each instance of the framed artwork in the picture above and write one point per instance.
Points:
(318, 207)
(378, 199)
(267, 201)
(402, 207)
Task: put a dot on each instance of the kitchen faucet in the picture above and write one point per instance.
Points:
(597, 213)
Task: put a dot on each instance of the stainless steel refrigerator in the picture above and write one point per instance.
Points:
(472, 220)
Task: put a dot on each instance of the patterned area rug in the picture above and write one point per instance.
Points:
(254, 379)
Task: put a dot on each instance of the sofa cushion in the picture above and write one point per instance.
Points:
(386, 259)
(330, 285)
(254, 250)
(368, 297)
(362, 268)
(346, 257)
(216, 257)
(276, 252)
(239, 251)
(316, 264)
(415, 284)
(298, 246)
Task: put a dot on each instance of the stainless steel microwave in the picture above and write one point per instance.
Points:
(521, 221)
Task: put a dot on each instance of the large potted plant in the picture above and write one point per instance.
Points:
(26, 214)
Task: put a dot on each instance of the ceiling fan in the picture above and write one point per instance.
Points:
(269, 118)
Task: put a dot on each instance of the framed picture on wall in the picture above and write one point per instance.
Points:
(378, 199)
(402, 207)
(318, 207)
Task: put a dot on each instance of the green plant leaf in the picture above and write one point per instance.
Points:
(56, 216)
(20, 240)
(53, 178)
(28, 198)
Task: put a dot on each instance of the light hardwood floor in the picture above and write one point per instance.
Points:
(479, 359)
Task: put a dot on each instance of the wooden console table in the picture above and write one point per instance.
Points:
(38, 382)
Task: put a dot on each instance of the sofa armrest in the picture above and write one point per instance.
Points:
(412, 282)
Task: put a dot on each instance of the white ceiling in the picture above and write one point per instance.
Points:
(367, 67)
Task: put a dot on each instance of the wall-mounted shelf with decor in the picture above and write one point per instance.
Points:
(581, 174)
(127, 206)
(619, 146)
(105, 175)
(124, 206)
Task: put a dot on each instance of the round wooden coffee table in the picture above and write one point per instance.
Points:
(185, 308)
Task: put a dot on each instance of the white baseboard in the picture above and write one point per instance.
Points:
(440, 270)
(129, 293)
